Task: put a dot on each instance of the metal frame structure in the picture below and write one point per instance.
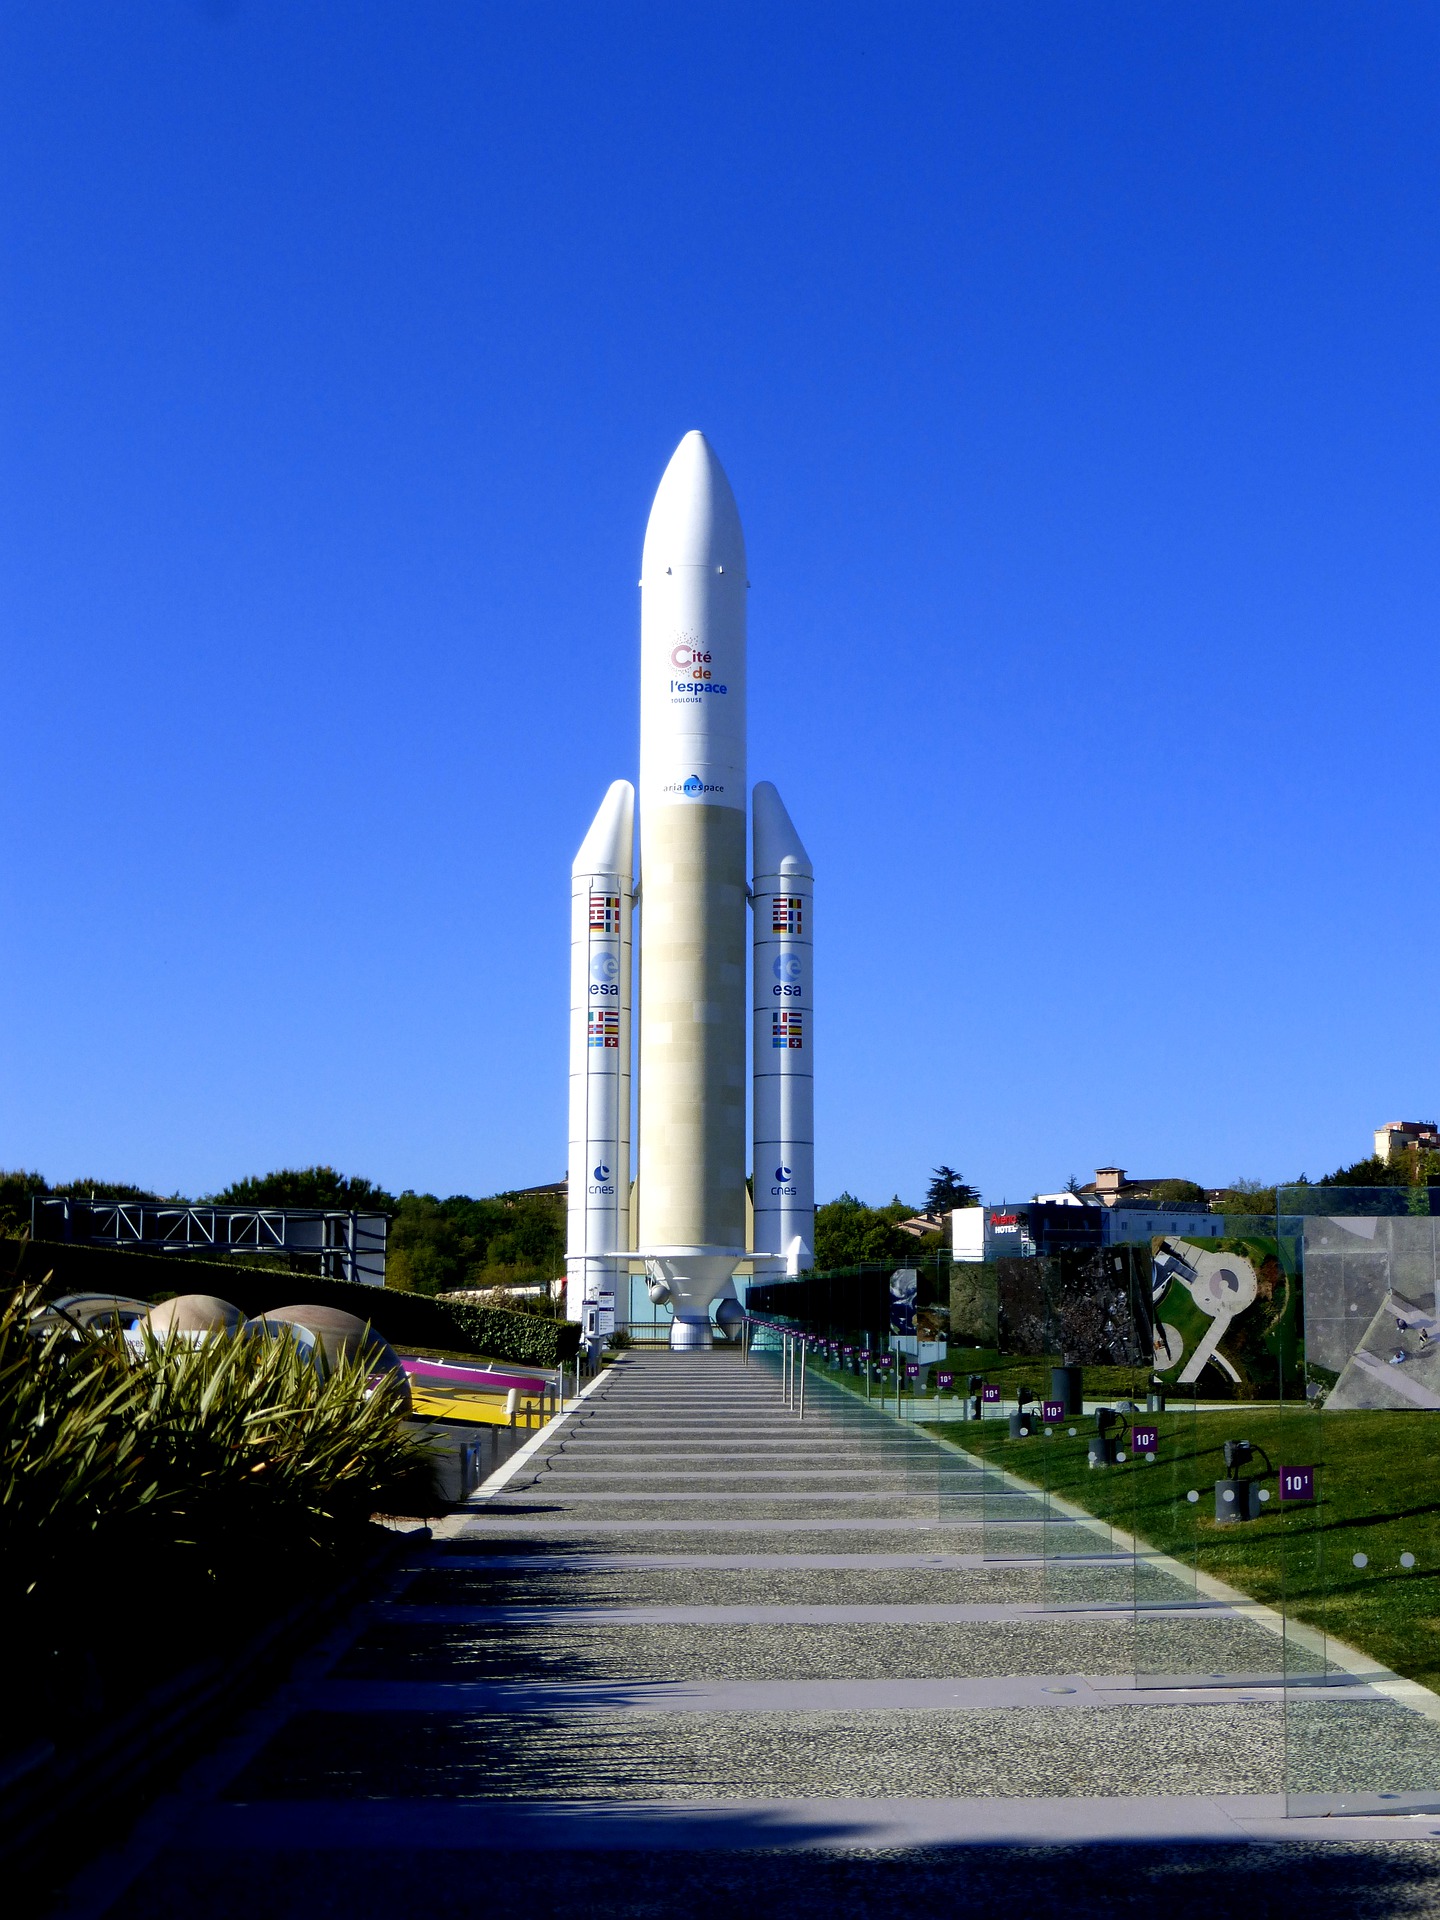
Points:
(350, 1245)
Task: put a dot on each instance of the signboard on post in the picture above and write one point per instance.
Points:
(904, 1289)
(1144, 1439)
(944, 1382)
(990, 1396)
(1297, 1483)
(1052, 1412)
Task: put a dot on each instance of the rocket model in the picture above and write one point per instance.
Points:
(686, 1214)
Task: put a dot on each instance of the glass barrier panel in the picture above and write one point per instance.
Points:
(1359, 1528)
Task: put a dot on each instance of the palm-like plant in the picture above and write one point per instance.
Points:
(135, 1476)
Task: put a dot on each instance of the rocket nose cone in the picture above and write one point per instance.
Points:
(694, 521)
(778, 847)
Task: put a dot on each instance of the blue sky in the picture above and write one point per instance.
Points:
(1075, 369)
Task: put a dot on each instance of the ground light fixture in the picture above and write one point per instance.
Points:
(1110, 1429)
(1237, 1498)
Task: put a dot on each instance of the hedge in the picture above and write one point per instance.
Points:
(404, 1319)
(521, 1337)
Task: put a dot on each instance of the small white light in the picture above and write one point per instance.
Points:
(1072, 1433)
(1407, 1559)
(1119, 1453)
(1192, 1497)
(1048, 1432)
(1264, 1493)
(1361, 1560)
(1229, 1493)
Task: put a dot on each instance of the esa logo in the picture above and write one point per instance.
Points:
(602, 1183)
(784, 1175)
(787, 975)
(604, 977)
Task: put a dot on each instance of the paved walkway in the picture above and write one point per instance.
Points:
(696, 1655)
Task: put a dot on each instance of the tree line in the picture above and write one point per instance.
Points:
(508, 1240)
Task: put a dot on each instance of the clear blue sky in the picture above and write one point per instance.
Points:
(1076, 371)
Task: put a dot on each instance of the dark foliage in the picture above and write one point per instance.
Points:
(305, 1187)
(439, 1246)
(848, 1233)
(947, 1190)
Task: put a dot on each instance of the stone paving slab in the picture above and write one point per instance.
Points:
(1062, 1692)
(1039, 1644)
(771, 1506)
(887, 1613)
(509, 1534)
(1229, 1748)
(1109, 1860)
(898, 1830)
(696, 1584)
(771, 1483)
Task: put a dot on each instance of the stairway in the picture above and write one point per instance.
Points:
(697, 1655)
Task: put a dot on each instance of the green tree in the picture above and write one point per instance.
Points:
(848, 1233)
(505, 1240)
(1246, 1196)
(1177, 1193)
(305, 1187)
(947, 1191)
(426, 1251)
(16, 1190)
(532, 1236)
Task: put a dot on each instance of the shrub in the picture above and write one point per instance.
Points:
(181, 1487)
(524, 1338)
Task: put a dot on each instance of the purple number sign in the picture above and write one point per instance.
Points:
(990, 1395)
(944, 1381)
(1052, 1412)
(1297, 1483)
(1144, 1439)
(912, 1369)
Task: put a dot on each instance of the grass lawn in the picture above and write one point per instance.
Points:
(1377, 1495)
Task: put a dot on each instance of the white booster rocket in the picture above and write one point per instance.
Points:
(686, 1215)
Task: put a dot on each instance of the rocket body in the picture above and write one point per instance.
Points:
(598, 1186)
(687, 1216)
(784, 1036)
(692, 862)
